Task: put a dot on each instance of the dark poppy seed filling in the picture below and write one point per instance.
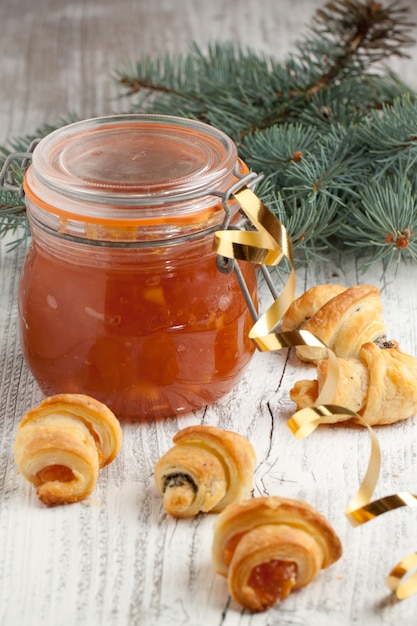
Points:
(178, 480)
(383, 343)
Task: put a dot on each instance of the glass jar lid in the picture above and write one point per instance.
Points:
(140, 168)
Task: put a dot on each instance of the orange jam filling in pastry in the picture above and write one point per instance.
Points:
(273, 581)
(269, 546)
(62, 444)
(60, 473)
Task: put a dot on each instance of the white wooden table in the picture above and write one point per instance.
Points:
(117, 559)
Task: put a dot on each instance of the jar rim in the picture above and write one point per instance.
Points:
(129, 161)
(131, 171)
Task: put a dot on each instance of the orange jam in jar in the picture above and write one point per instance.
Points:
(120, 297)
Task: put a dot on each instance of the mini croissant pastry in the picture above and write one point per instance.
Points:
(61, 444)
(381, 385)
(343, 319)
(204, 471)
(270, 546)
(306, 306)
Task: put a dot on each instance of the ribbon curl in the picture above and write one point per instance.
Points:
(268, 245)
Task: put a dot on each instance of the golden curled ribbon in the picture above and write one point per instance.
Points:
(269, 244)
(402, 571)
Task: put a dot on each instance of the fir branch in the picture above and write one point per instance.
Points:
(349, 36)
(13, 217)
(332, 131)
(385, 219)
(360, 33)
(309, 221)
(12, 208)
(274, 149)
(391, 134)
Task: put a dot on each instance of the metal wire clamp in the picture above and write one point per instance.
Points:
(8, 180)
(227, 265)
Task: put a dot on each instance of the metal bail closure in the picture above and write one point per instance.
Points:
(227, 264)
(9, 172)
(260, 240)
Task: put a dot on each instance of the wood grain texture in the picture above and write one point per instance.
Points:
(117, 559)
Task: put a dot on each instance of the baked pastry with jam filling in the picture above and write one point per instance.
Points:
(269, 546)
(61, 445)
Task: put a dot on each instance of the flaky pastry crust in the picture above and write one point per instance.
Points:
(61, 445)
(266, 531)
(306, 306)
(344, 322)
(205, 470)
(380, 386)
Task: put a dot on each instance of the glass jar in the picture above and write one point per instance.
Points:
(120, 297)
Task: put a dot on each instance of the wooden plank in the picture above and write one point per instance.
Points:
(117, 559)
